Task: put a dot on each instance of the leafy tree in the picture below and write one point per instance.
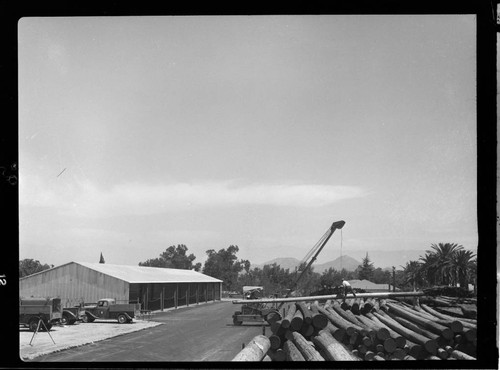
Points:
(412, 273)
(224, 265)
(330, 279)
(366, 268)
(174, 257)
(309, 281)
(381, 277)
(30, 266)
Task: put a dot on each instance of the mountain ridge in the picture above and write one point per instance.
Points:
(384, 259)
(345, 261)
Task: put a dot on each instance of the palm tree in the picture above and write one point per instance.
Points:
(464, 265)
(444, 255)
(429, 267)
(412, 273)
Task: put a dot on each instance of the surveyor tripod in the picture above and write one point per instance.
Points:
(41, 322)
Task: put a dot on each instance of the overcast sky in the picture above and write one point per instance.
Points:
(138, 133)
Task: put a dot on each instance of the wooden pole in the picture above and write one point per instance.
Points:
(306, 313)
(461, 356)
(331, 348)
(455, 325)
(398, 338)
(337, 333)
(292, 352)
(381, 332)
(277, 354)
(256, 350)
(307, 350)
(349, 316)
(297, 321)
(319, 320)
(339, 322)
(326, 297)
(430, 345)
(427, 324)
(289, 316)
(412, 326)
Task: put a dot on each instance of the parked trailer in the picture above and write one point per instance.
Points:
(32, 310)
(108, 309)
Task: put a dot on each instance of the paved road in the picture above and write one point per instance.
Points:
(197, 333)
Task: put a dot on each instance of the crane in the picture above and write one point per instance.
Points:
(258, 311)
(315, 251)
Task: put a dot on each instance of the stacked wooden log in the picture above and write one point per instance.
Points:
(369, 330)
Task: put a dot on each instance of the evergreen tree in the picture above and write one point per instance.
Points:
(101, 260)
(365, 270)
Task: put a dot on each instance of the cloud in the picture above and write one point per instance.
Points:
(138, 198)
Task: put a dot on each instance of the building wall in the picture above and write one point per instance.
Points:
(74, 284)
(159, 296)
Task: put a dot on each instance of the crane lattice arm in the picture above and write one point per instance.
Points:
(316, 251)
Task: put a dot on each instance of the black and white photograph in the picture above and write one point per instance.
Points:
(249, 188)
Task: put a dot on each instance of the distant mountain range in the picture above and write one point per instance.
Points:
(346, 262)
(384, 259)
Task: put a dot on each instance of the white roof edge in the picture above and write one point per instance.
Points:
(202, 277)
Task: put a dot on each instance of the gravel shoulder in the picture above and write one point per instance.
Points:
(70, 336)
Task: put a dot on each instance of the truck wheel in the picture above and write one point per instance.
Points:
(235, 319)
(122, 319)
(87, 318)
(65, 320)
(33, 324)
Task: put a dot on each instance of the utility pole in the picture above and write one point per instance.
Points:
(393, 278)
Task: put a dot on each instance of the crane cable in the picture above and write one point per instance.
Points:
(315, 247)
(341, 238)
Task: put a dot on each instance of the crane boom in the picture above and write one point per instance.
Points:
(319, 246)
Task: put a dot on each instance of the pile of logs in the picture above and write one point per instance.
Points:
(364, 330)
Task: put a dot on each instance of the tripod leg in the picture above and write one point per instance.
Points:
(36, 331)
(48, 332)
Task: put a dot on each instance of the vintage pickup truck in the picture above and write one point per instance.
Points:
(108, 309)
(32, 310)
(70, 315)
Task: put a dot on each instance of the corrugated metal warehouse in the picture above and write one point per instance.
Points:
(155, 288)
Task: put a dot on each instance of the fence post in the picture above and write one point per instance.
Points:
(161, 297)
(187, 295)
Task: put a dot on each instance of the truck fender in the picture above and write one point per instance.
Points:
(128, 316)
(70, 314)
(91, 314)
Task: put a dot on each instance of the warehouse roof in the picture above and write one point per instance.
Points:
(368, 285)
(140, 274)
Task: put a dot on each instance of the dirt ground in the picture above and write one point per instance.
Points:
(70, 336)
